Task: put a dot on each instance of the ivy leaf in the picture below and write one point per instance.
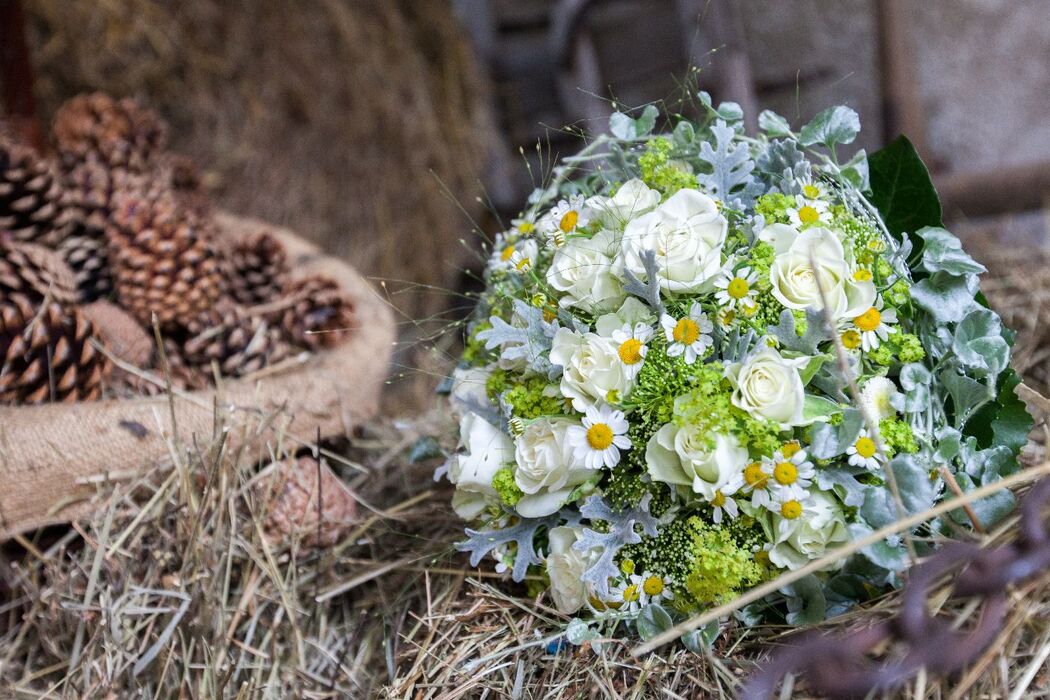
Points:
(979, 343)
(943, 251)
(773, 124)
(832, 126)
(652, 621)
(1006, 420)
(901, 189)
(624, 126)
(967, 394)
(828, 441)
(946, 297)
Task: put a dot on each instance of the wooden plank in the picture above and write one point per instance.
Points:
(16, 74)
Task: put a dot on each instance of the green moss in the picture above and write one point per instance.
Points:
(660, 172)
(506, 488)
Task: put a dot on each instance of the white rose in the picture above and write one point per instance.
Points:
(769, 387)
(592, 371)
(680, 456)
(815, 260)
(565, 567)
(687, 233)
(486, 450)
(468, 389)
(630, 313)
(799, 541)
(582, 270)
(546, 471)
(632, 200)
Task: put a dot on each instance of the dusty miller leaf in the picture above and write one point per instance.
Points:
(946, 297)
(621, 532)
(943, 251)
(730, 178)
(781, 165)
(806, 344)
(648, 291)
(833, 126)
(652, 620)
(531, 343)
(523, 533)
(828, 441)
(979, 343)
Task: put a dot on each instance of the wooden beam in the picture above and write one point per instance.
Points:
(16, 74)
(974, 193)
(902, 110)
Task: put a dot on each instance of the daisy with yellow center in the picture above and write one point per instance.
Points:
(756, 479)
(808, 212)
(518, 257)
(864, 452)
(791, 509)
(873, 325)
(814, 190)
(789, 471)
(736, 290)
(631, 346)
(723, 501)
(525, 224)
(689, 336)
(627, 596)
(565, 218)
(597, 442)
(653, 588)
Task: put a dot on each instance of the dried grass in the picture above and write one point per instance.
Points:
(171, 591)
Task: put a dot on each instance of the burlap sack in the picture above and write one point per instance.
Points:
(53, 459)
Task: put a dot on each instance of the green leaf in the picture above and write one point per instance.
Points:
(623, 126)
(967, 394)
(893, 558)
(579, 632)
(856, 171)
(946, 297)
(828, 441)
(773, 124)
(684, 133)
(813, 366)
(698, 640)
(844, 484)
(913, 483)
(817, 408)
(979, 343)
(943, 251)
(730, 111)
(651, 621)
(901, 189)
(1006, 420)
(805, 601)
(832, 126)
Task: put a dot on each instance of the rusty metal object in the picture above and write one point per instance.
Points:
(840, 665)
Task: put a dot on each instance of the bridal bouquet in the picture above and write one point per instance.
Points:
(703, 357)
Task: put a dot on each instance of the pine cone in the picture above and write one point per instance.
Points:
(292, 512)
(120, 333)
(47, 355)
(240, 344)
(319, 314)
(31, 202)
(259, 269)
(36, 273)
(165, 260)
(86, 257)
(122, 133)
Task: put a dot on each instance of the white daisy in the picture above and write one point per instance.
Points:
(653, 588)
(756, 480)
(808, 212)
(597, 443)
(814, 189)
(736, 290)
(789, 471)
(864, 452)
(791, 506)
(874, 325)
(631, 346)
(689, 336)
(626, 596)
(724, 502)
(565, 217)
(525, 224)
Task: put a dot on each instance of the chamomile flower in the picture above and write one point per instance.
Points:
(814, 190)
(631, 346)
(564, 218)
(756, 480)
(653, 588)
(736, 290)
(723, 502)
(874, 325)
(598, 441)
(517, 256)
(864, 452)
(626, 596)
(525, 224)
(726, 318)
(808, 212)
(689, 336)
(791, 506)
(789, 471)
